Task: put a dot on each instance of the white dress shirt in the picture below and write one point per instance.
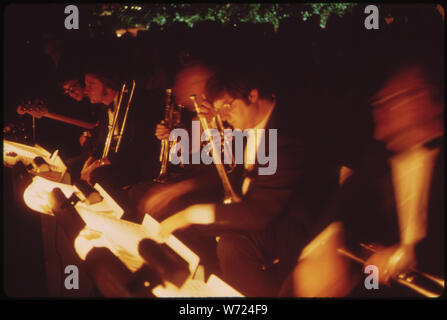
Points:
(411, 173)
(251, 149)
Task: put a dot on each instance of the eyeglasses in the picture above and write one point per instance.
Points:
(68, 89)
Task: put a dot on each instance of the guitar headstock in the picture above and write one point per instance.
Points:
(36, 108)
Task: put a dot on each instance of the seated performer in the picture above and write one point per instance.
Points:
(408, 113)
(274, 219)
(188, 183)
(75, 89)
(133, 161)
(158, 199)
(400, 208)
(190, 80)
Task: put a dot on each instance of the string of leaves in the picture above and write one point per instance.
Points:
(145, 15)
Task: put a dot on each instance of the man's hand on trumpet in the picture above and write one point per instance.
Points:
(161, 131)
(393, 260)
(207, 110)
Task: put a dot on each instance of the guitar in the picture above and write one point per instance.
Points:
(39, 110)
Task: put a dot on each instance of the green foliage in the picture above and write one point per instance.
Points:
(128, 15)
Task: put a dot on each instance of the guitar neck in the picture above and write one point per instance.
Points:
(75, 122)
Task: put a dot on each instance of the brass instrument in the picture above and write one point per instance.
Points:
(114, 125)
(429, 285)
(171, 119)
(230, 195)
(226, 147)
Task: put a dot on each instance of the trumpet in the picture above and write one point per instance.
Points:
(230, 196)
(423, 283)
(113, 127)
(171, 119)
(226, 147)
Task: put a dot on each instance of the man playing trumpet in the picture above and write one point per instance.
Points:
(157, 199)
(261, 236)
(408, 115)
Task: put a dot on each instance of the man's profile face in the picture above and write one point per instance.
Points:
(74, 89)
(233, 110)
(94, 88)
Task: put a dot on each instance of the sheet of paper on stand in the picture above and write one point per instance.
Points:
(214, 287)
(104, 228)
(14, 152)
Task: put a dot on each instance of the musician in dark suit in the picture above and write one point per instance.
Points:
(394, 199)
(408, 112)
(155, 198)
(134, 160)
(261, 236)
(72, 86)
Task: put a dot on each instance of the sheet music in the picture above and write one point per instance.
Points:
(26, 154)
(214, 287)
(104, 228)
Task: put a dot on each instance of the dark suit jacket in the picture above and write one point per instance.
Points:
(366, 204)
(137, 157)
(295, 193)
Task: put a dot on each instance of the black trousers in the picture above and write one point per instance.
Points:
(257, 263)
(74, 166)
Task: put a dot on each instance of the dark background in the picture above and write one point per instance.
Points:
(326, 74)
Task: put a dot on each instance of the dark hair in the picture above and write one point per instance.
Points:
(65, 77)
(102, 65)
(106, 75)
(238, 84)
